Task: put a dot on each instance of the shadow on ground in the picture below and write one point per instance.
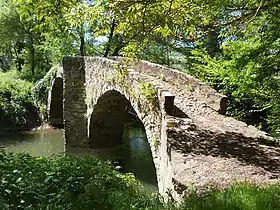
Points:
(260, 152)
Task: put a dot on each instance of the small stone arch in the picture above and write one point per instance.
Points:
(56, 103)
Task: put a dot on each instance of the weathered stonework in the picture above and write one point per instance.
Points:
(75, 108)
(191, 142)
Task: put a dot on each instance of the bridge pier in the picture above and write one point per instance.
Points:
(75, 108)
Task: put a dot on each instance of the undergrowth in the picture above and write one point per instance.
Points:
(15, 101)
(88, 183)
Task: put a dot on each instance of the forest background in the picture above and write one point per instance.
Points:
(232, 45)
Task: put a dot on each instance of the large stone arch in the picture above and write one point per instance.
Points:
(86, 80)
(151, 120)
(108, 119)
(113, 118)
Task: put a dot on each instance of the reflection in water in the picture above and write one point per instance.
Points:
(138, 154)
(134, 156)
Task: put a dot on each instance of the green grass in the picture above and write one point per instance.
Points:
(240, 196)
(87, 183)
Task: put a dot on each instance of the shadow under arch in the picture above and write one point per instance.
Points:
(56, 104)
(115, 124)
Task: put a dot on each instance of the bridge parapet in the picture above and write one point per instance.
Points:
(202, 92)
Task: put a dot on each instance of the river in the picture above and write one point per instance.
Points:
(134, 156)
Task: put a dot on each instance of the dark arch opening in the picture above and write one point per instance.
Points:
(107, 120)
(115, 124)
(56, 106)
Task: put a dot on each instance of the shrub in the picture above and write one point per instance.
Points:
(88, 183)
(69, 183)
(240, 196)
(16, 107)
(40, 91)
(253, 95)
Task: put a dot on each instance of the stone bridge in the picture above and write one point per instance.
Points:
(192, 143)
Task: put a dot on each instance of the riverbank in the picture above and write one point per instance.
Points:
(28, 121)
(88, 183)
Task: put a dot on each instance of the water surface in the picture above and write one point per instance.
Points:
(133, 156)
(45, 142)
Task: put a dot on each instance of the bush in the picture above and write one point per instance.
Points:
(69, 183)
(16, 107)
(254, 97)
(88, 183)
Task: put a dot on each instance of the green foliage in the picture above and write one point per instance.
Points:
(69, 183)
(88, 183)
(15, 100)
(19, 43)
(120, 73)
(34, 35)
(242, 196)
(247, 73)
(149, 92)
(156, 142)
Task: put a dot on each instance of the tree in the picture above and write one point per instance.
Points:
(234, 47)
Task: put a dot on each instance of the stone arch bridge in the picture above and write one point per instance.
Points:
(191, 142)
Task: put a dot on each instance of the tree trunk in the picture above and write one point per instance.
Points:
(32, 54)
(213, 43)
(116, 51)
(110, 38)
(19, 61)
(82, 43)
